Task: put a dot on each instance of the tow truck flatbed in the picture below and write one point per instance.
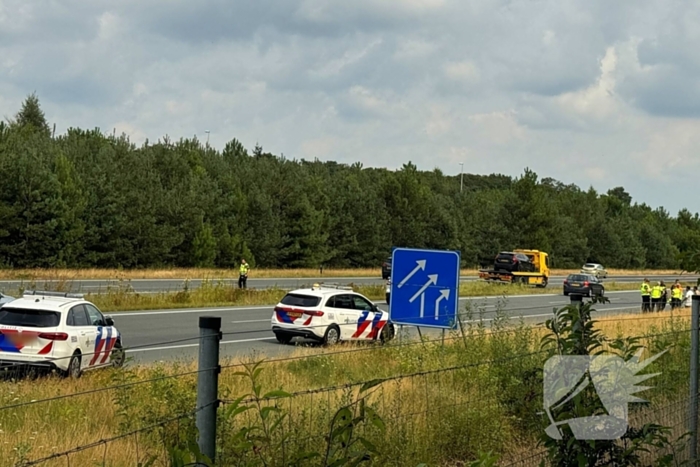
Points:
(539, 277)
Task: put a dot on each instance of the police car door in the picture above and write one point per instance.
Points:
(367, 318)
(82, 333)
(347, 315)
(105, 337)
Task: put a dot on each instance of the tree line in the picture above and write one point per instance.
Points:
(86, 199)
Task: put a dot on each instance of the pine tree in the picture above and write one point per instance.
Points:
(31, 115)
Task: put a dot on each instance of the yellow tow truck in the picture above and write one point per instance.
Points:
(527, 267)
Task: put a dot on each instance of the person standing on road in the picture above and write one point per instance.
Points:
(664, 296)
(243, 275)
(656, 293)
(676, 296)
(688, 297)
(646, 296)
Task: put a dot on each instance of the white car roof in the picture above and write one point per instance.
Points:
(45, 302)
(322, 290)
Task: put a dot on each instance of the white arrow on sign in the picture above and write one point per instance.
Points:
(444, 295)
(420, 267)
(422, 305)
(432, 279)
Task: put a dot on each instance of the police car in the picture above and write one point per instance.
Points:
(57, 331)
(328, 314)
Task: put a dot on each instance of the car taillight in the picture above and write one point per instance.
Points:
(585, 284)
(313, 313)
(515, 260)
(54, 336)
(566, 281)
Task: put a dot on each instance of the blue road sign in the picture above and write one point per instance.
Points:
(424, 287)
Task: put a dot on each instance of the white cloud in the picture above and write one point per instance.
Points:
(496, 85)
(670, 149)
(462, 71)
(135, 135)
(598, 100)
(498, 127)
(412, 49)
(321, 148)
(110, 26)
(439, 122)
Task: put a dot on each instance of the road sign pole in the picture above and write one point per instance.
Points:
(208, 384)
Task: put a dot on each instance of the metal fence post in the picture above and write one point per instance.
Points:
(208, 384)
(694, 348)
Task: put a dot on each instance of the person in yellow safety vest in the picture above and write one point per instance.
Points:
(656, 293)
(646, 296)
(243, 275)
(676, 296)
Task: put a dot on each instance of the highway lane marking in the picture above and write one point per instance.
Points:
(271, 307)
(260, 339)
(193, 310)
(252, 321)
(172, 347)
(544, 315)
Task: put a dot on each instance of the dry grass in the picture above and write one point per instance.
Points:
(201, 273)
(440, 415)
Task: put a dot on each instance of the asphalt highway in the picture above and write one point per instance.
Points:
(173, 285)
(163, 335)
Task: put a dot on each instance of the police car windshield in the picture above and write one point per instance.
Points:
(29, 318)
(292, 299)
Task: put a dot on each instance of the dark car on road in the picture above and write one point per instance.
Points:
(513, 262)
(583, 284)
(386, 268)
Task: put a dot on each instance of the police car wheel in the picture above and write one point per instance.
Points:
(387, 333)
(118, 355)
(74, 366)
(332, 335)
(283, 338)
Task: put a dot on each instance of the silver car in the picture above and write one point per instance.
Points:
(595, 269)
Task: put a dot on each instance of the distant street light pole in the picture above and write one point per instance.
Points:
(461, 177)
(207, 132)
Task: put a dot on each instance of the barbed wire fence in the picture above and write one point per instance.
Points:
(458, 406)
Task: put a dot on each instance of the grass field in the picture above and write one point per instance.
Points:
(440, 404)
(218, 293)
(193, 273)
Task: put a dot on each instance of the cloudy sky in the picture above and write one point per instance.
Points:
(592, 92)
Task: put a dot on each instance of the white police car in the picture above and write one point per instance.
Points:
(328, 314)
(57, 331)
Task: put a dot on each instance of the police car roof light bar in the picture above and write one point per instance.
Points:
(332, 286)
(53, 294)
